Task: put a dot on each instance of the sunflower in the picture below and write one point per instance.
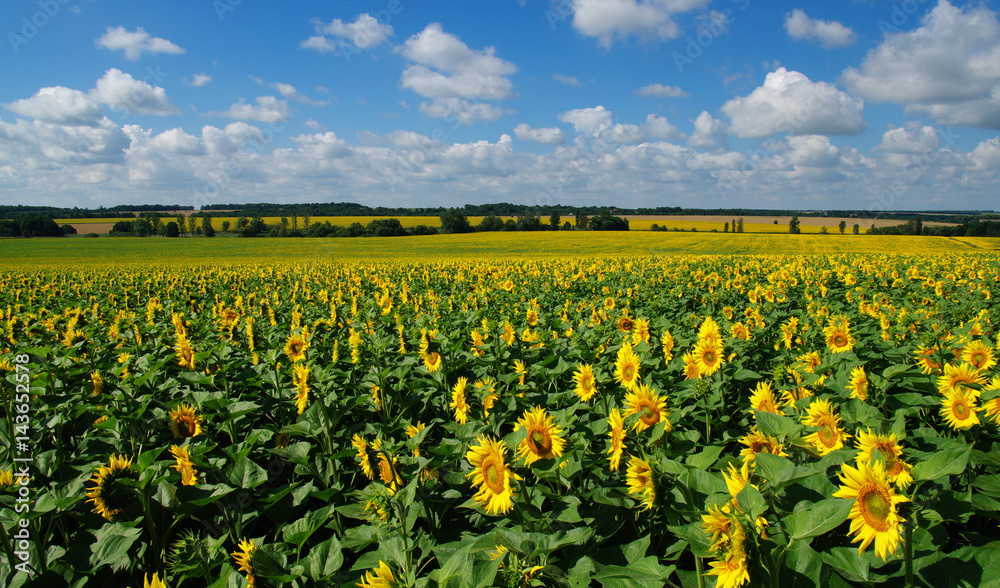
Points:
(244, 558)
(627, 367)
(873, 516)
(387, 472)
(667, 343)
(96, 382)
(737, 478)
(625, 323)
(758, 442)
(542, 440)
(185, 422)
(640, 332)
(731, 570)
(301, 376)
(859, 383)
(955, 376)
(184, 465)
(380, 577)
(709, 330)
(459, 402)
(924, 359)
(708, 356)
(958, 408)
(509, 335)
(992, 407)
(718, 522)
(980, 355)
(739, 331)
(185, 353)
(891, 452)
(651, 408)
(110, 498)
(154, 582)
(838, 334)
(295, 347)
(411, 432)
(361, 445)
(763, 399)
(640, 481)
(585, 386)
(691, 371)
(617, 433)
(521, 370)
(491, 474)
(432, 361)
(808, 361)
(830, 437)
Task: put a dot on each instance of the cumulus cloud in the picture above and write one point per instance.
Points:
(121, 91)
(590, 121)
(365, 32)
(547, 136)
(788, 101)
(610, 20)
(289, 91)
(661, 91)
(199, 80)
(134, 43)
(466, 112)
(322, 146)
(658, 127)
(59, 105)
(458, 79)
(267, 109)
(913, 138)
(709, 132)
(986, 155)
(830, 33)
(177, 141)
(949, 67)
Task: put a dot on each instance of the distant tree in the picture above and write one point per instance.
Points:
(68, 229)
(823, 231)
(181, 223)
(172, 230)
(529, 222)
(453, 221)
(143, 228)
(284, 223)
(857, 229)
(554, 220)
(295, 220)
(123, 227)
(305, 220)
(919, 229)
(725, 228)
(490, 223)
(775, 221)
(606, 222)
(355, 230)
(206, 226)
(225, 226)
(567, 226)
(793, 225)
(842, 226)
(510, 225)
(739, 225)
(733, 225)
(242, 222)
(581, 219)
(386, 227)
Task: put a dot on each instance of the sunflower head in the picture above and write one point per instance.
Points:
(585, 384)
(542, 439)
(650, 406)
(641, 481)
(616, 423)
(830, 437)
(185, 421)
(112, 499)
(459, 402)
(873, 516)
(708, 356)
(627, 367)
(295, 347)
(244, 559)
(838, 335)
(491, 475)
(959, 408)
(380, 577)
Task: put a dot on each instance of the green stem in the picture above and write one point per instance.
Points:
(700, 568)
(908, 553)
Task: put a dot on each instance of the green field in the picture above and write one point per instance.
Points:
(74, 251)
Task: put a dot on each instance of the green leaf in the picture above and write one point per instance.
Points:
(822, 517)
(112, 544)
(848, 562)
(246, 474)
(324, 560)
(646, 572)
(459, 565)
(949, 462)
(778, 426)
(704, 459)
(895, 370)
(751, 501)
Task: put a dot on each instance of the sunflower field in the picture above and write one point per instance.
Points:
(688, 421)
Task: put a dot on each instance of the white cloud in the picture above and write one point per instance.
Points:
(830, 33)
(812, 151)
(445, 67)
(177, 141)
(914, 138)
(59, 105)
(658, 127)
(199, 80)
(608, 20)
(788, 101)
(661, 91)
(267, 109)
(465, 111)
(322, 146)
(986, 155)
(708, 132)
(134, 43)
(289, 91)
(568, 80)
(547, 136)
(365, 32)
(589, 121)
(623, 133)
(315, 125)
(121, 91)
(949, 67)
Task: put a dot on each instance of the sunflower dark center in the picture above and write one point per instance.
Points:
(650, 416)
(961, 410)
(491, 473)
(875, 506)
(628, 372)
(541, 444)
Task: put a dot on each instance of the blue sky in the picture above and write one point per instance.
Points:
(698, 103)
